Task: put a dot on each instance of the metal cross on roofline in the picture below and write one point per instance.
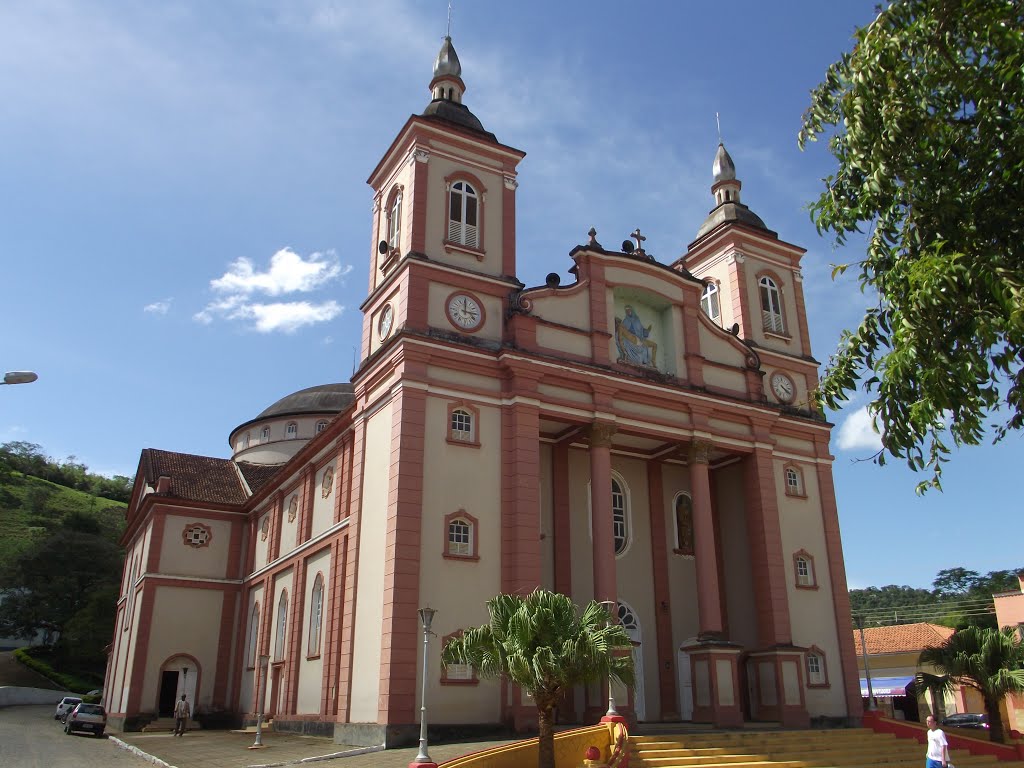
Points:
(639, 240)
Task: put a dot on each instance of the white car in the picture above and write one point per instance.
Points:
(65, 705)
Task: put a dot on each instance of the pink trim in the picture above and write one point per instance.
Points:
(508, 231)
(738, 291)
(764, 532)
(801, 319)
(824, 668)
(709, 603)
(840, 594)
(792, 465)
(474, 414)
(807, 556)
(662, 592)
(520, 488)
(602, 525)
(474, 534)
(904, 730)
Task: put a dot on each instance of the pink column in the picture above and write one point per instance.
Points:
(709, 604)
(605, 587)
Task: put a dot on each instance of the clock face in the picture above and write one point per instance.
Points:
(387, 317)
(783, 387)
(465, 312)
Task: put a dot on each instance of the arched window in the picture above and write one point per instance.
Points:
(245, 441)
(316, 610)
(710, 304)
(321, 426)
(395, 221)
(282, 626)
(462, 425)
(771, 305)
(620, 521)
(817, 672)
(265, 435)
(462, 215)
(683, 509)
(254, 636)
(460, 537)
(794, 481)
(291, 431)
(803, 570)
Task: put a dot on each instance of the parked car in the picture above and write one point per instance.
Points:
(65, 705)
(966, 720)
(86, 717)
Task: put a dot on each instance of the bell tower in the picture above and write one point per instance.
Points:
(444, 198)
(753, 282)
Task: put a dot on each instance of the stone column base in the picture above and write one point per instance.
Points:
(716, 684)
(776, 682)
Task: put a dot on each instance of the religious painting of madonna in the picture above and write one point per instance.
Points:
(632, 338)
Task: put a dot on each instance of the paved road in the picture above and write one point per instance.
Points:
(14, 673)
(31, 738)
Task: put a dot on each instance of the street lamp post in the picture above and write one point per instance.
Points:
(19, 377)
(426, 617)
(261, 682)
(612, 711)
(867, 669)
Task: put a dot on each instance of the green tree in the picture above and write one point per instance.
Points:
(545, 646)
(955, 582)
(924, 117)
(988, 660)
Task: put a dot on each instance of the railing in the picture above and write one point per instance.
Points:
(619, 757)
(905, 730)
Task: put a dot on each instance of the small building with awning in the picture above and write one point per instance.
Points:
(893, 652)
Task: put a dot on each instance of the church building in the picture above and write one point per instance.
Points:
(642, 435)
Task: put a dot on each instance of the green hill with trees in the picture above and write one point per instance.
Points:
(60, 563)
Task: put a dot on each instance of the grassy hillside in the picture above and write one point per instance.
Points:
(31, 509)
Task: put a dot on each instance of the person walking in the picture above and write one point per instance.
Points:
(938, 747)
(181, 715)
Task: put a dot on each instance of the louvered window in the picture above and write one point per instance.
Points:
(463, 207)
(771, 305)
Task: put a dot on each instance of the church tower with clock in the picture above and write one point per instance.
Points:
(640, 435)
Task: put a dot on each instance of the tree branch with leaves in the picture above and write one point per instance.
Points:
(924, 119)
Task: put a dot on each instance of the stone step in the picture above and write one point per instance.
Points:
(167, 724)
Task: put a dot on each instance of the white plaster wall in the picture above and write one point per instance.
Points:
(460, 477)
(370, 568)
(579, 534)
(560, 340)
(547, 531)
(437, 313)
(738, 586)
(323, 506)
(572, 309)
(283, 581)
(790, 321)
(464, 378)
(811, 611)
(490, 214)
(246, 692)
(725, 378)
(720, 272)
(185, 621)
(261, 544)
(180, 559)
(311, 669)
(290, 528)
(670, 290)
(682, 570)
(277, 449)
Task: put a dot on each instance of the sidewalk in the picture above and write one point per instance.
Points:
(229, 749)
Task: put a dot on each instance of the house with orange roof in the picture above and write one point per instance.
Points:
(1010, 613)
(892, 655)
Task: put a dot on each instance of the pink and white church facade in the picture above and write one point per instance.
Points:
(641, 435)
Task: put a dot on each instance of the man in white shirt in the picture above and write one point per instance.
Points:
(938, 747)
(182, 713)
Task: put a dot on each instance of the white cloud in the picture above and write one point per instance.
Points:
(858, 432)
(161, 307)
(287, 273)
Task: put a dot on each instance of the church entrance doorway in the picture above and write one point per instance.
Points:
(630, 622)
(168, 692)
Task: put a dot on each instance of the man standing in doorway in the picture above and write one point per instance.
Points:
(182, 713)
(938, 747)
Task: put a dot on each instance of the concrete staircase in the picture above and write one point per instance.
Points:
(836, 748)
(167, 724)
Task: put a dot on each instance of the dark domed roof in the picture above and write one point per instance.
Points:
(731, 212)
(325, 398)
(453, 112)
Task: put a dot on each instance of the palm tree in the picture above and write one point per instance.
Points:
(991, 661)
(544, 645)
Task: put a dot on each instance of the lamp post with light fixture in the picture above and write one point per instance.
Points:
(19, 377)
(423, 757)
(612, 711)
(261, 683)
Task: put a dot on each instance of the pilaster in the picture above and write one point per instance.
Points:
(709, 603)
(716, 683)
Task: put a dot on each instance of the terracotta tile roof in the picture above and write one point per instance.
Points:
(258, 475)
(194, 478)
(901, 638)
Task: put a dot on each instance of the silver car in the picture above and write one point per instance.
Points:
(65, 705)
(86, 717)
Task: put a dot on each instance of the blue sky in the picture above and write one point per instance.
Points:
(185, 224)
